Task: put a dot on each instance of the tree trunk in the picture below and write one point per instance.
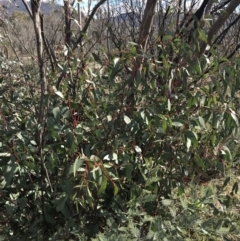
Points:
(145, 29)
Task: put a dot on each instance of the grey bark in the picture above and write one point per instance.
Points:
(145, 29)
(145, 32)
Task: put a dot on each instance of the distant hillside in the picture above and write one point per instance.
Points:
(17, 5)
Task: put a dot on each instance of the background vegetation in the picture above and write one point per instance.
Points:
(120, 126)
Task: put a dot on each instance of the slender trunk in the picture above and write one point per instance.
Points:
(145, 29)
(42, 114)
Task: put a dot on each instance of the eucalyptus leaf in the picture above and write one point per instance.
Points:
(56, 113)
(127, 119)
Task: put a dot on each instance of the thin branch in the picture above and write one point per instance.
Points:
(219, 6)
(90, 18)
(82, 33)
(11, 44)
(46, 44)
(28, 8)
(219, 39)
(219, 23)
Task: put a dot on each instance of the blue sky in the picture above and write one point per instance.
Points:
(84, 3)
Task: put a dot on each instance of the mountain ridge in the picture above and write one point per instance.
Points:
(17, 5)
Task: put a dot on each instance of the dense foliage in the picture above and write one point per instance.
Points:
(114, 170)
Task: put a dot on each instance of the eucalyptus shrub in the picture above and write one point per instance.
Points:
(114, 171)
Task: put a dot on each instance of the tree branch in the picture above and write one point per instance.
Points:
(28, 9)
(219, 23)
(85, 28)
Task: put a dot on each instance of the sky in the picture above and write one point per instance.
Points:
(84, 3)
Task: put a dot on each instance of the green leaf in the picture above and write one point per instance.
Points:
(49, 218)
(5, 154)
(116, 62)
(138, 149)
(56, 113)
(167, 37)
(144, 117)
(235, 188)
(78, 163)
(68, 186)
(115, 187)
(19, 136)
(192, 136)
(226, 152)
(115, 69)
(164, 125)
(3, 184)
(177, 124)
(96, 58)
(202, 36)
(10, 208)
(223, 230)
(180, 190)
(33, 143)
(127, 119)
(129, 169)
(103, 186)
(152, 180)
(201, 121)
(110, 157)
(234, 117)
(58, 93)
(10, 170)
(22, 202)
(188, 144)
(70, 141)
(199, 161)
(172, 210)
(65, 112)
(61, 203)
(169, 105)
(227, 180)
(167, 202)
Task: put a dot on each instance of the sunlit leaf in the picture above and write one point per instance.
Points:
(112, 156)
(177, 124)
(58, 93)
(167, 202)
(77, 164)
(126, 119)
(192, 136)
(169, 105)
(202, 122)
(5, 154)
(138, 149)
(10, 170)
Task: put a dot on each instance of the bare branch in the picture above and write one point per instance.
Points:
(46, 45)
(220, 6)
(90, 18)
(28, 8)
(219, 23)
